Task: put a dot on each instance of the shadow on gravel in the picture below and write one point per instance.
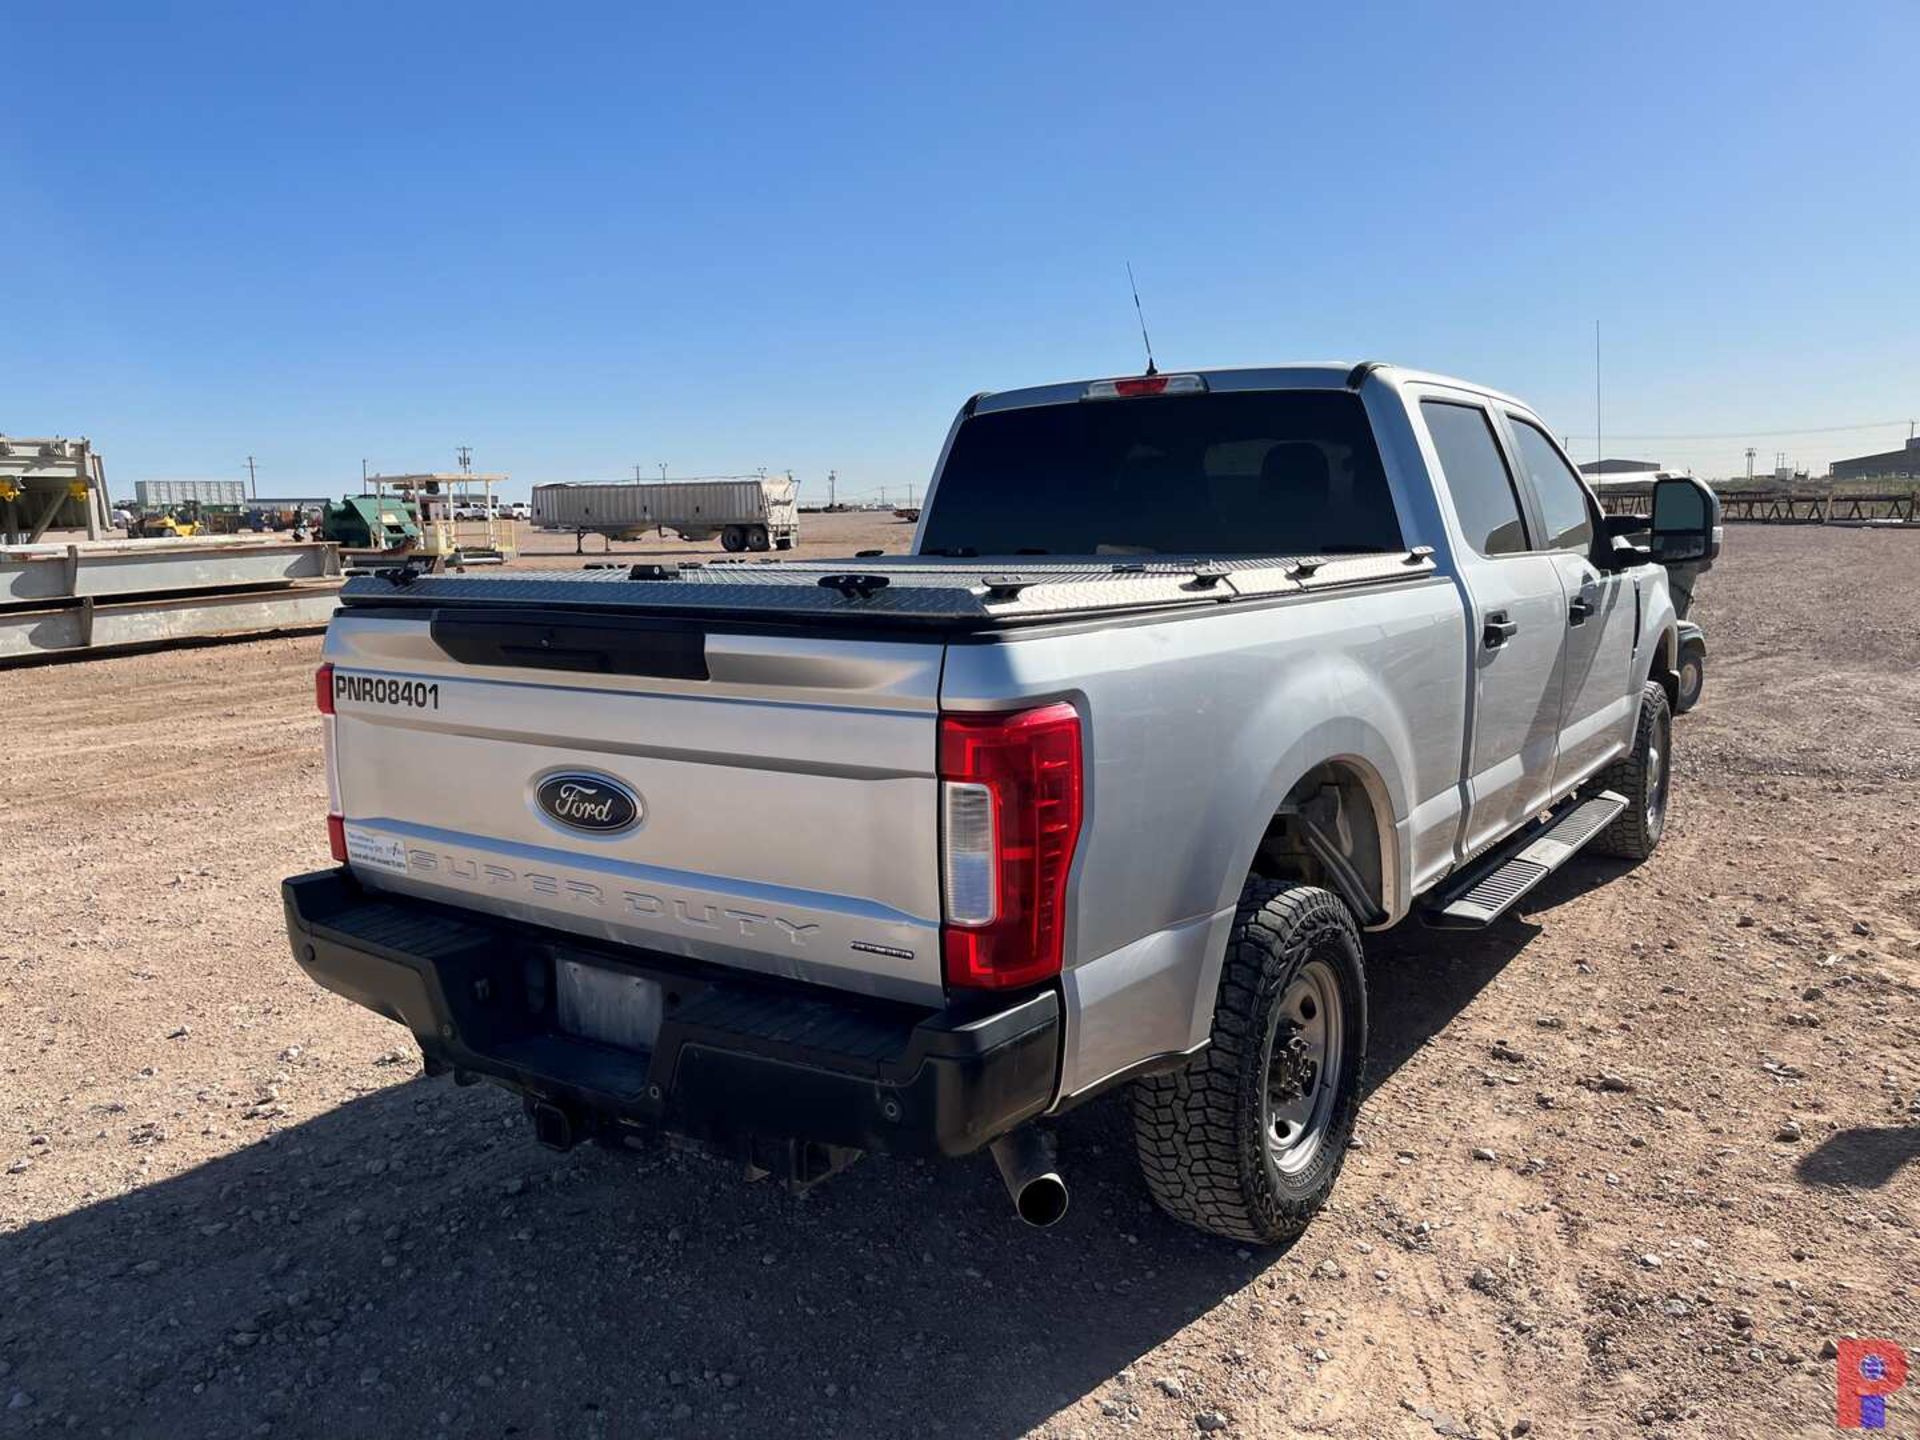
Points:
(411, 1263)
(1866, 1156)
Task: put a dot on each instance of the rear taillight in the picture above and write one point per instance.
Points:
(1010, 792)
(323, 701)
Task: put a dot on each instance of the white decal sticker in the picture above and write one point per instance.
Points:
(382, 852)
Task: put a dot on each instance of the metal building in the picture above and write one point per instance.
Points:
(160, 494)
(1903, 464)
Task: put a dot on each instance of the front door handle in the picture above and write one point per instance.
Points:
(1498, 630)
(1584, 603)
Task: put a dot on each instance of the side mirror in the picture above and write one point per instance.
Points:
(1686, 521)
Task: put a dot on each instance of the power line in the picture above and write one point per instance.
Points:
(1746, 434)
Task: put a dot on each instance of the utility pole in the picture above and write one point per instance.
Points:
(253, 485)
(636, 472)
(466, 459)
(832, 477)
(663, 472)
(1599, 444)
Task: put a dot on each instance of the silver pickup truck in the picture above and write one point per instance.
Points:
(1188, 680)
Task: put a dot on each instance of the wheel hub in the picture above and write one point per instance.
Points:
(1303, 1067)
(1294, 1072)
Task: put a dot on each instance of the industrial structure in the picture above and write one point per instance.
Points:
(61, 595)
(1901, 464)
(458, 516)
(109, 594)
(1608, 468)
(51, 484)
(160, 494)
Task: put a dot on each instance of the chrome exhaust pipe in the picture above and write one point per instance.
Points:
(1026, 1162)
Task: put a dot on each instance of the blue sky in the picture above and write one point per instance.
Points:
(579, 238)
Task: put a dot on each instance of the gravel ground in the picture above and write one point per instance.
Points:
(1627, 1161)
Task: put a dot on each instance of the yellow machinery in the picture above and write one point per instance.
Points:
(164, 525)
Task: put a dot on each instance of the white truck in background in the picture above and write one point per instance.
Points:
(1189, 681)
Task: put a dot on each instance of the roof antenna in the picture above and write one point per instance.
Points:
(1143, 319)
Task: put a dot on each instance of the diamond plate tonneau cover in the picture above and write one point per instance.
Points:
(963, 594)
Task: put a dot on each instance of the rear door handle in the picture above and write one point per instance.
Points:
(1498, 630)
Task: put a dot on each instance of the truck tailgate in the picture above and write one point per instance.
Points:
(785, 806)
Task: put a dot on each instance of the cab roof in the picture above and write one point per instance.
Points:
(1294, 375)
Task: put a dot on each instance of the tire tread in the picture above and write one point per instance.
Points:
(1202, 1161)
(1629, 837)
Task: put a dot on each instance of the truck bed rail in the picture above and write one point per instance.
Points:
(894, 589)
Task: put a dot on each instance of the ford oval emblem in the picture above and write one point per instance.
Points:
(591, 803)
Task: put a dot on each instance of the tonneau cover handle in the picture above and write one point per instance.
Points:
(611, 646)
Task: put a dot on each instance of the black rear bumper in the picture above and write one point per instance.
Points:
(738, 1058)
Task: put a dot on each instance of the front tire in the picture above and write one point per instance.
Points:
(1644, 776)
(1247, 1140)
(1692, 679)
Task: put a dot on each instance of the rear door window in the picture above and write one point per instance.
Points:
(1257, 472)
(1563, 500)
(1477, 477)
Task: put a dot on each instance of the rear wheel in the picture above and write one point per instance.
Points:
(1642, 775)
(1248, 1139)
(733, 539)
(757, 538)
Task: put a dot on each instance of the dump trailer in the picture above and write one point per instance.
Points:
(753, 512)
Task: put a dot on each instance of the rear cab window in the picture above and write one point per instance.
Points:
(1476, 476)
(1258, 472)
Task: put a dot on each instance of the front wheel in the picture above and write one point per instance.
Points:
(1644, 775)
(1692, 680)
(1248, 1139)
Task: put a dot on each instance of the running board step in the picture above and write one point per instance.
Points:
(1493, 884)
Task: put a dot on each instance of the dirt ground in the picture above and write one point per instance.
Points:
(230, 1206)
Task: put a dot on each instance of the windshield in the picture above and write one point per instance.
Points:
(1264, 472)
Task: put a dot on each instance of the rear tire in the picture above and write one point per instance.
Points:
(1692, 679)
(757, 538)
(733, 539)
(1235, 1143)
(1643, 775)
